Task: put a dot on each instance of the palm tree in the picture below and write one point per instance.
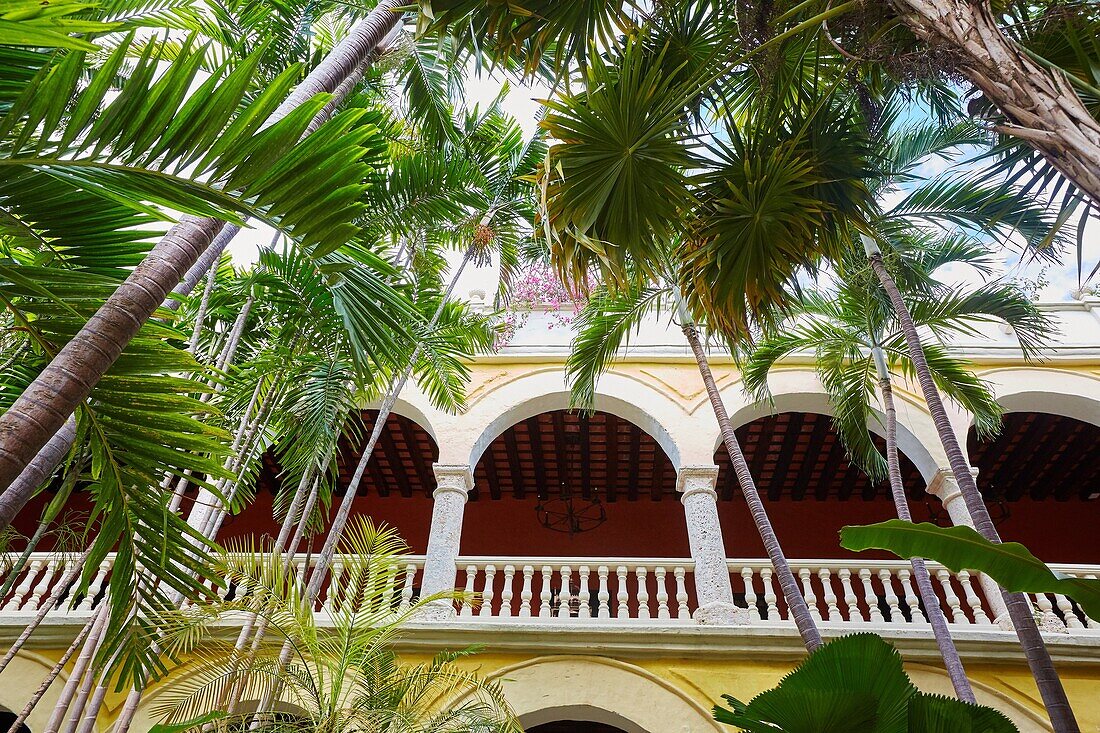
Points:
(343, 677)
(62, 386)
(855, 343)
(1042, 667)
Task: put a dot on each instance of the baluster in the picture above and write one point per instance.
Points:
(62, 595)
(643, 593)
(770, 596)
(832, 612)
(1046, 613)
(851, 603)
(622, 610)
(972, 598)
(584, 597)
(887, 580)
(682, 609)
(750, 593)
(407, 587)
(467, 607)
(662, 593)
(808, 593)
(544, 595)
(525, 594)
(958, 616)
(603, 595)
(30, 573)
(565, 597)
(916, 616)
(95, 586)
(330, 601)
(1066, 607)
(869, 596)
(487, 592)
(42, 586)
(506, 592)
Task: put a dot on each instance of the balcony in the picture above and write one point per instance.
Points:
(617, 603)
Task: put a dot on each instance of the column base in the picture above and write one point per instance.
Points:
(1048, 623)
(721, 614)
(435, 612)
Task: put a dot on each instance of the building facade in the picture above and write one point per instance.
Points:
(623, 585)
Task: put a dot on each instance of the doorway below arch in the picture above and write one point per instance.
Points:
(574, 726)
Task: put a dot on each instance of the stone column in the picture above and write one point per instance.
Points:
(946, 489)
(453, 484)
(712, 579)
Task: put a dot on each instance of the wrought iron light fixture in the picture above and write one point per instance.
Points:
(573, 516)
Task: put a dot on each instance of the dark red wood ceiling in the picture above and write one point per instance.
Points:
(1038, 455)
(792, 455)
(797, 455)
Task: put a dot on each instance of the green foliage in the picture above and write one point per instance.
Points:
(342, 677)
(961, 548)
(855, 683)
(47, 24)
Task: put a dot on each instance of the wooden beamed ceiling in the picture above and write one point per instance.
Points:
(797, 455)
(793, 456)
(1039, 456)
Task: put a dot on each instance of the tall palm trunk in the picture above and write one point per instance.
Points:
(796, 603)
(1038, 658)
(37, 472)
(49, 680)
(52, 397)
(1041, 104)
(933, 610)
(80, 672)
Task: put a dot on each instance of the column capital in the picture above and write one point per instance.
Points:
(695, 479)
(944, 485)
(457, 478)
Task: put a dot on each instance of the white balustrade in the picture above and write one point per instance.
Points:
(653, 591)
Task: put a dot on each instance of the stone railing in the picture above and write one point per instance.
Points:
(635, 591)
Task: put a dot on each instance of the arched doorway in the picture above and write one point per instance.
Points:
(574, 726)
(603, 470)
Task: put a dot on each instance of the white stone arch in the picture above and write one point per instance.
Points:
(934, 680)
(799, 390)
(1053, 391)
(600, 690)
(415, 407)
(21, 679)
(469, 434)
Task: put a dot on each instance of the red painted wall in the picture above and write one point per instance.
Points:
(1059, 532)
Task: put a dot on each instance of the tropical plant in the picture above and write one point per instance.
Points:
(1009, 563)
(344, 674)
(1042, 666)
(855, 683)
(130, 135)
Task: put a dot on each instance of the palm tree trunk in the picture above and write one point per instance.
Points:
(1038, 658)
(53, 674)
(80, 672)
(934, 611)
(796, 604)
(45, 606)
(37, 472)
(51, 398)
(202, 266)
(336, 530)
(204, 308)
(1041, 104)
